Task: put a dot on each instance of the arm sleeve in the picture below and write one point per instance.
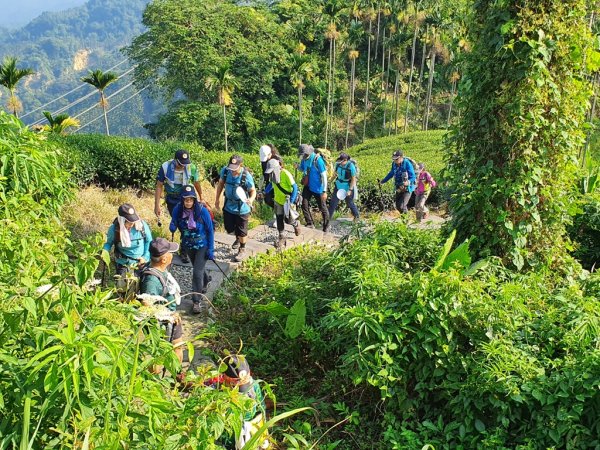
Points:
(210, 231)
(161, 175)
(411, 172)
(173, 224)
(324, 180)
(110, 238)
(302, 166)
(147, 241)
(389, 175)
(294, 194)
(431, 180)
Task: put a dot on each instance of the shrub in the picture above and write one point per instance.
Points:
(585, 231)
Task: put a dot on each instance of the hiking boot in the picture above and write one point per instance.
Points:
(240, 255)
(236, 244)
(297, 230)
(426, 216)
(196, 308)
(185, 259)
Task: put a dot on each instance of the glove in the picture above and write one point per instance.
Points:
(210, 255)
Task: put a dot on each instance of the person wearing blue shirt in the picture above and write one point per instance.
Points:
(404, 179)
(345, 181)
(314, 176)
(194, 222)
(238, 186)
(130, 237)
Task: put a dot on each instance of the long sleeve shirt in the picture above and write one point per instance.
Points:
(397, 171)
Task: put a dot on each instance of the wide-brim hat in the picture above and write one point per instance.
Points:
(127, 211)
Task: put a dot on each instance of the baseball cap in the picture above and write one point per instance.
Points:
(234, 162)
(343, 157)
(188, 191)
(234, 364)
(397, 154)
(127, 211)
(305, 150)
(160, 246)
(264, 153)
(182, 157)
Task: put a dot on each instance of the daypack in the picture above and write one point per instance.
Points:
(242, 183)
(146, 270)
(348, 172)
(319, 153)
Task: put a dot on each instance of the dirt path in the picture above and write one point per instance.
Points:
(261, 240)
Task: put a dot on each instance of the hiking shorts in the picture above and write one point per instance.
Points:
(235, 223)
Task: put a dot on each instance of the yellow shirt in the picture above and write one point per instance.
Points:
(286, 182)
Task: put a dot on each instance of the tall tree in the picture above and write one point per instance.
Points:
(355, 32)
(302, 70)
(10, 75)
(417, 22)
(523, 109)
(370, 12)
(101, 81)
(223, 82)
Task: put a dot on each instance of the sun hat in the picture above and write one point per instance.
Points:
(160, 246)
(264, 153)
(127, 211)
(182, 157)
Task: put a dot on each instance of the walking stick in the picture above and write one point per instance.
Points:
(380, 195)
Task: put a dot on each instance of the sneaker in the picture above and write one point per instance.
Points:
(236, 244)
(196, 308)
(297, 230)
(185, 259)
(240, 255)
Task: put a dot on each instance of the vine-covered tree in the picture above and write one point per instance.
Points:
(523, 98)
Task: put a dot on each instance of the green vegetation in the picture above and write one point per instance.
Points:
(512, 157)
(454, 354)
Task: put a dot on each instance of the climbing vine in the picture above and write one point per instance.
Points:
(523, 99)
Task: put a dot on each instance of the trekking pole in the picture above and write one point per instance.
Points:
(380, 195)
(102, 278)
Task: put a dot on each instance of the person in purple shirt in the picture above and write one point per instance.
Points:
(404, 179)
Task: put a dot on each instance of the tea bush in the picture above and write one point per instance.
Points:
(74, 361)
(453, 355)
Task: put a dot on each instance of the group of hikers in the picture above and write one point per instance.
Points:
(139, 256)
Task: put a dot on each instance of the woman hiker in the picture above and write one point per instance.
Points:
(195, 223)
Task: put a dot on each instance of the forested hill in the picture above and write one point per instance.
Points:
(61, 47)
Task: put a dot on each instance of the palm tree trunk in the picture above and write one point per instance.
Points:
(421, 71)
(300, 112)
(13, 101)
(412, 70)
(328, 90)
(451, 103)
(387, 81)
(368, 78)
(377, 32)
(225, 126)
(396, 98)
(429, 89)
(350, 101)
(103, 102)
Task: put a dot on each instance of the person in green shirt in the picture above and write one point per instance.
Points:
(158, 282)
(285, 192)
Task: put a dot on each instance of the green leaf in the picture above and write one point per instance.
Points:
(460, 254)
(479, 425)
(275, 308)
(251, 444)
(445, 250)
(296, 319)
(476, 266)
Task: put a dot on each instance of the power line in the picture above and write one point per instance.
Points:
(107, 98)
(114, 107)
(70, 92)
(79, 100)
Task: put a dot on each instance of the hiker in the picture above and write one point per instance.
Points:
(266, 153)
(172, 176)
(195, 223)
(425, 183)
(345, 185)
(155, 280)
(404, 179)
(285, 192)
(314, 180)
(130, 237)
(238, 185)
(237, 374)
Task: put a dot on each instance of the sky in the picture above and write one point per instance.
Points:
(16, 13)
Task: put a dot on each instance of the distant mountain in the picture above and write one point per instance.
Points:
(61, 47)
(16, 14)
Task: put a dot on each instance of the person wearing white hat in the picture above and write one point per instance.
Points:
(285, 192)
(345, 185)
(266, 153)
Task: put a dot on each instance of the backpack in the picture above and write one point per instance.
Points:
(147, 270)
(326, 155)
(118, 235)
(242, 183)
(348, 172)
